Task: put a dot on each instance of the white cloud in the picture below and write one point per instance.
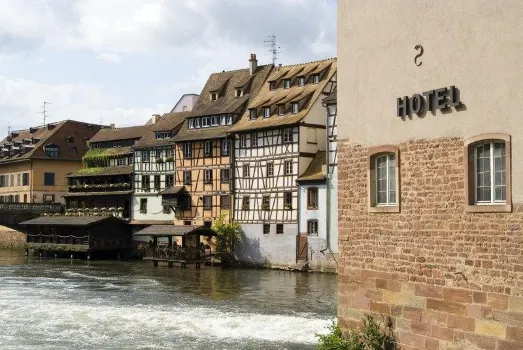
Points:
(109, 57)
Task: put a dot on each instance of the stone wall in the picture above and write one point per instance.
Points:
(448, 279)
(11, 239)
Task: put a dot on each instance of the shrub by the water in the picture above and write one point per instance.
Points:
(371, 336)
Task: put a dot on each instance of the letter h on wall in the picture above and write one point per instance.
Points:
(403, 106)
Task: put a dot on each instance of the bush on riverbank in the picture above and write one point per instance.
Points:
(228, 235)
(371, 336)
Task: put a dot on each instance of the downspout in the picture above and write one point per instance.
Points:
(328, 194)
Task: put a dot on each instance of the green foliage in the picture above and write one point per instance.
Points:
(371, 336)
(228, 235)
(99, 157)
(90, 171)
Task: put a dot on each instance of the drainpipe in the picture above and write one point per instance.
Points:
(328, 182)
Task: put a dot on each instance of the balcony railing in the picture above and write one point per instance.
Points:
(105, 187)
(177, 255)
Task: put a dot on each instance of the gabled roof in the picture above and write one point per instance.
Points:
(316, 170)
(119, 134)
(271, 98)
(227, 103)
(67, 135)
(168, 123)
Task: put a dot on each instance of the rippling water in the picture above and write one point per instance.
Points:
(62, 304)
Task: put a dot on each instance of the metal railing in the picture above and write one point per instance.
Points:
(31, 207)
(179, 254)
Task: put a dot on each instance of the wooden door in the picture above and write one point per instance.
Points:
(302, 247)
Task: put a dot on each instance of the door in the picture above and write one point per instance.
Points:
(302, 247)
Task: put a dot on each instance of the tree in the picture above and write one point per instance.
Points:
(228, 234)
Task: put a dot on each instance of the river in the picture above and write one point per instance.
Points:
(64, 304)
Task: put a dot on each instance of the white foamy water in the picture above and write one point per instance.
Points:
(92, 308)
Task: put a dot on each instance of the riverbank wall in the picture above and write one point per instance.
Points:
(11, 239)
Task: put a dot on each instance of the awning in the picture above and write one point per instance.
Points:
(174, 190)
(175, 230)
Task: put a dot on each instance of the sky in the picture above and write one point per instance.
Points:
(120, 61)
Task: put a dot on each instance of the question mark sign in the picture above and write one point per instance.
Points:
(420, 48)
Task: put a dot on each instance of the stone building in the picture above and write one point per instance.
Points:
(430, 170)
(34, 162)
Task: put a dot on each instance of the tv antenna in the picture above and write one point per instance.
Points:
(44, 110)
(273, 48)
(8, 128)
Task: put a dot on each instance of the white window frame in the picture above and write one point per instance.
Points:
(254, 139)
(267, 112)
(191, 123)
(207, 148)
(315, 78)
(295, 107)
(301, 81)
(246, 170)
(222, 120)
(187, 177)
(388, 178)
(197, 124)
(288, 135)
(269, 166)
(207, 174)
(228, 120)
(226, 147)
(281, 109)
(253, 113)
(493, 170)
(121, 161)
(243, 140)
(187, 150)
(239, 92)
(286, 83)
(289, 167)
(312, 227)
(214, 96)
(215, 120)
(205, 122)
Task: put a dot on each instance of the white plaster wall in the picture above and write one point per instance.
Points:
(186, 101)
(332, 211)
(319, 214)
(154, 208)
(475, 45)
(268, 249)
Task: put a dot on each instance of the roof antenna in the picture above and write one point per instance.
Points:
(8, 129)
(44, 110)
(273, 48)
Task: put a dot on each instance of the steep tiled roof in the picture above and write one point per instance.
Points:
(306, 95)
(316, 170)
(332, 98)
(69, 136)
(170, 122)
(225, 84)
(117, 134)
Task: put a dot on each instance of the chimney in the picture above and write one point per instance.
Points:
(155, 118)
(113, 126)
(253, 63)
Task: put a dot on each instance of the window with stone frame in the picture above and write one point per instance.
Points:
(312, 198)
(488, 179)
(383, 179)
(312, 227)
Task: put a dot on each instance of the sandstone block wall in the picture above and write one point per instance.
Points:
(448, 279)
(11, 239)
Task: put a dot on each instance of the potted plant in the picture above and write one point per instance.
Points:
(265, 206)
(288, 206)
(245, 207)
(169, 159)
(159, 160)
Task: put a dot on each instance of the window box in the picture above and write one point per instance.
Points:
(265, 206)
(287, 206)
(169, 159)
(159, 160)
(245, 207)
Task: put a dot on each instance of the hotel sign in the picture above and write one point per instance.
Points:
(428, 101)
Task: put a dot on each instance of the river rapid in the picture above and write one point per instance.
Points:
(64, 304)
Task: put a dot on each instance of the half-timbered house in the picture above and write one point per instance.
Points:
(275, 141)
(153, 166)
(105, 184)
(203, 150)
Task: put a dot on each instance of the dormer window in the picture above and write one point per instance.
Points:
(253, 113)
(228, 120)
(214, 96)
(295, 107)
(315, 78)
(301, 81)
(197, 123)
(281, 109)
(191, 123)
(162, 135)
(52, 151)
(239, 92)
(267, 112)
(117, 144)
(215, 120)
(205, 122)
(286, 84)
(272, 85)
